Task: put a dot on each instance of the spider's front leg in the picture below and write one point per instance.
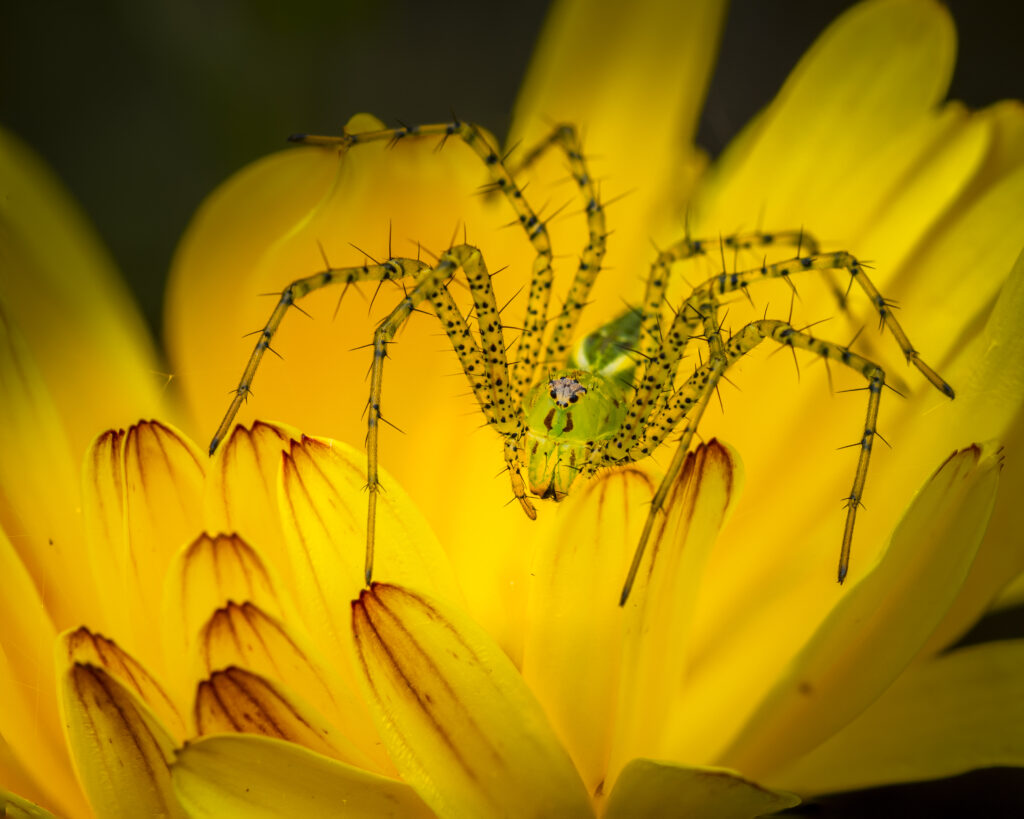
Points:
(687, 405)
(485, 365)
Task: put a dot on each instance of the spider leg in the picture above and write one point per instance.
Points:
(687, 248)
(690, 400)
(528, 352)
(392, 269)
(485, 366)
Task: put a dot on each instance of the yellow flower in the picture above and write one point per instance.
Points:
(491, 671)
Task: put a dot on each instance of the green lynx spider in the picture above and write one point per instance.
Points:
(564, 412)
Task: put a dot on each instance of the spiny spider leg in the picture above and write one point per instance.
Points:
(659, 370)
(528, 352)
(688, 248)
(390, 270)
(485, 366)
(690, 400)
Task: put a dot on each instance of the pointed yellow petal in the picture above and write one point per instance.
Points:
(59, 285)
(872, 74)
(659, 619)
(207, 574)
(39, 481)
(632, 78)
(122, 752)
(647, 789)
(323, 504)
(238, 700)
(957, 712)
(163, 477)
(878, 626)
(103, 502)
(990, 404)
(243, 635)
(82, 646)
(573, 644)
(253, 777)
(242, 489)
(456, 717)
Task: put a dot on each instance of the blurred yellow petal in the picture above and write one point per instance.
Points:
(15, 807)
(29, 718)
(243, 635)
(18, 783)
(238, 700)
(961, 711)
(242, 490)
(82, 647)
(323, 506)
(840, 103)
(38, 472)
(645, 789)
(122, 752)
(253, 777)
(632, 78)
(458, 720)
(573, 642)
(878, 626)
(90, 343)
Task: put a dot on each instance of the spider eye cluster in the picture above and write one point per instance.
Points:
(565, 390)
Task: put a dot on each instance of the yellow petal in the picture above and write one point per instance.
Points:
(870, 75)
(103, 501)
(122, 752)
(323, 505)
(15, 807)
(242, 489)
(574, 626)
(18, 784)
(958, 712)
(992, 404)
(29, 718)
(646, 789)
(659, 621)
(38, 474)
(878, 626)
(90, 342)
(163, 478)
(632, 78)
(207, 574)
(238, 700)
(458, 720)
(82, 647)
(243, 635)
(252, 777)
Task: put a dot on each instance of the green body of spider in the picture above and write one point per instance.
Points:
(564, 411)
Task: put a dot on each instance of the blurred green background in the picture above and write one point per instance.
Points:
(143, 107)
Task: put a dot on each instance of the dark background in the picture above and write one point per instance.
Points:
(144, 106)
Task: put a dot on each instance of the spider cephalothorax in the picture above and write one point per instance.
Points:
(566, 418)
(564, 410)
